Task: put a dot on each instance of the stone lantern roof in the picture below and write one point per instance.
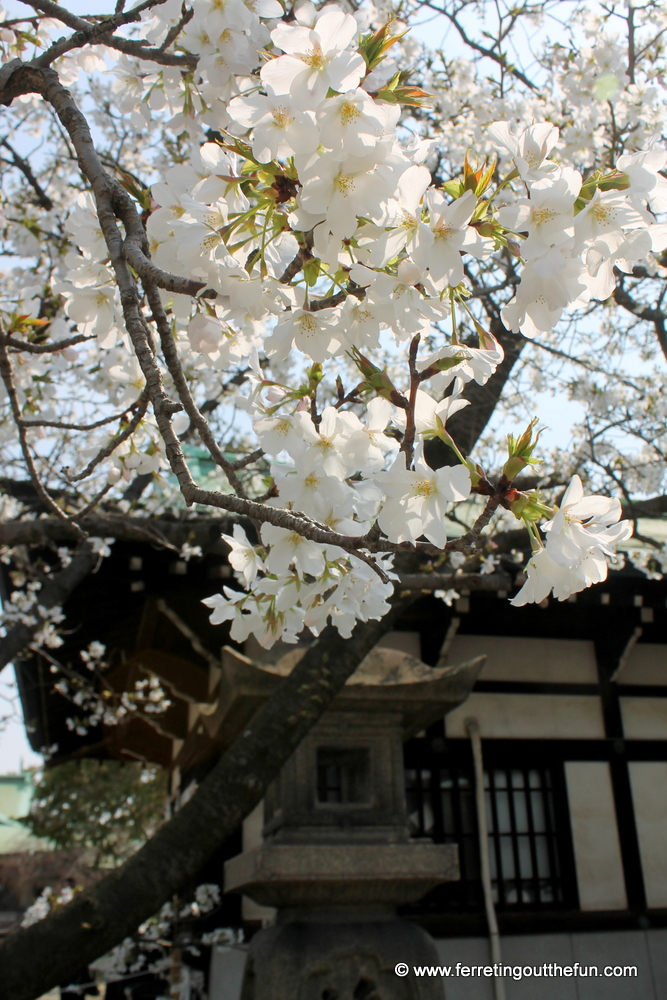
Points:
(387, 680)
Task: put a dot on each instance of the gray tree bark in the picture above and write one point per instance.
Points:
(39, 957)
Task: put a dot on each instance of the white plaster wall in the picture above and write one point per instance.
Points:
(597, 850)
(226, 973)
(644, 718)
(646, 664)
(510, 658)
(648, 780)
(644, 949)
(529, 716)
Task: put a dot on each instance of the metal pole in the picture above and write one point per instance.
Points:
(472, 728)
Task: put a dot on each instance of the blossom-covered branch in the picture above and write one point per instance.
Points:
(318, 232)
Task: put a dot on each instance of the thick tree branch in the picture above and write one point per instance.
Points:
(428, 582)
(101, 32)
(408, 442)
(93, 32)
(37, 958)
(52, 595)
(656, 316)
(134, 252)
(141, 51)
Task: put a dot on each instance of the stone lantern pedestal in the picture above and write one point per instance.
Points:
(336, 859)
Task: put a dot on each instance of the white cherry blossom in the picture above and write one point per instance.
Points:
(647, 182)
(584, 524)
(400, 222)
(278, 129)
(464, 363)
(548, 214)
(529, 148)
(287, 548)
(438, 245)
(338, 191)
(243, 556)
(351, 124)
(581, 538)
(366, 444)
(550, 284)
(312, 333)
(607, 211)
(316, 59)
(418, 499)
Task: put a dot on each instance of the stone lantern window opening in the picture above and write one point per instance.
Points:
(343, 776)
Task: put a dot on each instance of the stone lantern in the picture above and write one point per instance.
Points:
(337, 859)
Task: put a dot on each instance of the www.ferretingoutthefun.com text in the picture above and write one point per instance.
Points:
(547, 970)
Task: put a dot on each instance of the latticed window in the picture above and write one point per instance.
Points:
(523, 847)
(523, 834)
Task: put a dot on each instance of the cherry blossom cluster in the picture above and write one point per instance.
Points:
(94, 699)
(329, 249)
(45, 903)
(581, 537)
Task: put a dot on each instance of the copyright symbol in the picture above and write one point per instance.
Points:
(401, 969)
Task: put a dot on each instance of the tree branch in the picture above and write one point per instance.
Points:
(656, 316)
(8, 379)
(21, 164)
(496, 57)
(101, 32)
(59, 345)
(197, 419)
(172, 534)
(63, 426)
(35, 959)
(408, 442)
(428, 582)
(52, 595)
(140, 408)
(134, 253)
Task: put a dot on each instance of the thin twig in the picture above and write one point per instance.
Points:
(23, 165)
(80, 427)
(197, 419)
(497, 57)
(408, 443)
(60, 345)
(140, 410)
(7, 375)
